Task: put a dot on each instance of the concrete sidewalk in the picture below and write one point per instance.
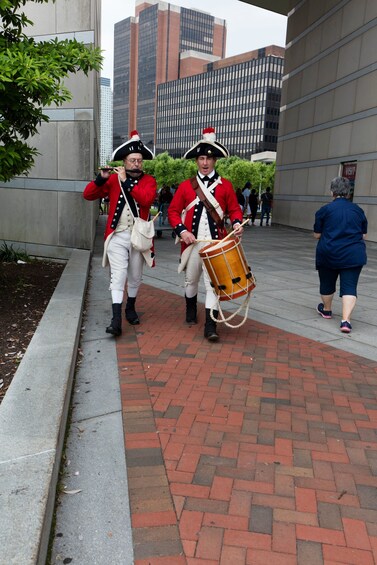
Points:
(163, 349)
(287, 291)
(93, 523)
(135, 397)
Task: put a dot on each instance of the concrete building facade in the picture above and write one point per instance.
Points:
(328, 119)
(239, 96)
(44, 213)
(148, 51)
(106, 122)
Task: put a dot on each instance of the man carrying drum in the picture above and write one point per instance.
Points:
(196, 214)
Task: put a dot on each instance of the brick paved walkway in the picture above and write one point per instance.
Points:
(260, 449)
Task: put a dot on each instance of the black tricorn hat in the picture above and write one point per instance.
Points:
(207, 146)
(133, 145)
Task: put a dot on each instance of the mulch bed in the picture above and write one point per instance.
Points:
(25, 291)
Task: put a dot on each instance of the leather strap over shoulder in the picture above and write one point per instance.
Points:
(206, 203)
(128, 185)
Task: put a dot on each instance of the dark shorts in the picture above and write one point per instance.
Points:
(348, 280)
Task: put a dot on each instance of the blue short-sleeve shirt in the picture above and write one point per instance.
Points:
(342, 225)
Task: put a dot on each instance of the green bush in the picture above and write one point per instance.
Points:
(168, 171)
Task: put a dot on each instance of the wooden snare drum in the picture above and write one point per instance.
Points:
(226, 265)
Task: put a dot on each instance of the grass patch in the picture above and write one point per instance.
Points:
(10, 255)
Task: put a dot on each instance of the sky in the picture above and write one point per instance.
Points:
(248, 27)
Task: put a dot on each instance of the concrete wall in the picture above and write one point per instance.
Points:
(44, 213)
(329, 108)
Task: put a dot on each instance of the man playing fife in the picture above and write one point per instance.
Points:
(196, 226)
(131, 194)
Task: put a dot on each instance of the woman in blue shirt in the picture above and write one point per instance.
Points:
(340, 228)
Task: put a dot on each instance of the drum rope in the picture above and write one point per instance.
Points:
(221, 319)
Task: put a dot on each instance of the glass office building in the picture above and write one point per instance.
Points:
(106, 122)
(147, 52)
(122, 72)
(240, 99)
(147, 73)
(196, 31)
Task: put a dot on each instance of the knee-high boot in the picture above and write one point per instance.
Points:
(210, 326)
(115, 327)
(131, 314)
(191, 310)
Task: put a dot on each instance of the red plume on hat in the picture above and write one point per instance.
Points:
(207, 146)
(209, 134)
(133, 145)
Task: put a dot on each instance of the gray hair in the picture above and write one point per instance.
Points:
(340, 186)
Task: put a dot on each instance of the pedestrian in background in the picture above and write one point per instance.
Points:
(340, 227)
(246, 194)
(164, 199)
(240, 199)
(253, 203)
(266, 205)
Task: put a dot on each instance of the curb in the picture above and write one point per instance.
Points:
(33, 418)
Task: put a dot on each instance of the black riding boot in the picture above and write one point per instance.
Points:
(210, 326)
(115, 327)
(191, 311)
(131, 314)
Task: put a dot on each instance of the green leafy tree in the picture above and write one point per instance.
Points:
(223, 166)
(269, 177)
(31, 77)
(168, 171)
(189, 168)
(259, 176)
(240, 172)
(164, 170)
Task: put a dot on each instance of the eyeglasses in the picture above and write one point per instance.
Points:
(132, 161)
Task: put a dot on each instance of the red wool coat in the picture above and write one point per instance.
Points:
(225, 196)
(144, 193)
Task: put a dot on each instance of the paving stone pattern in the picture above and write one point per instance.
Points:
(259, 449)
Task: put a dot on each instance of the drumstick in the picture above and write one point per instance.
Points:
(225, 238)
(232, 232)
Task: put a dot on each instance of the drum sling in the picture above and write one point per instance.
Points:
(207, 204)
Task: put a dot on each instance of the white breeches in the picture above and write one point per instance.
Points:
(125, 264)
(195, 266)
(194, 269)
